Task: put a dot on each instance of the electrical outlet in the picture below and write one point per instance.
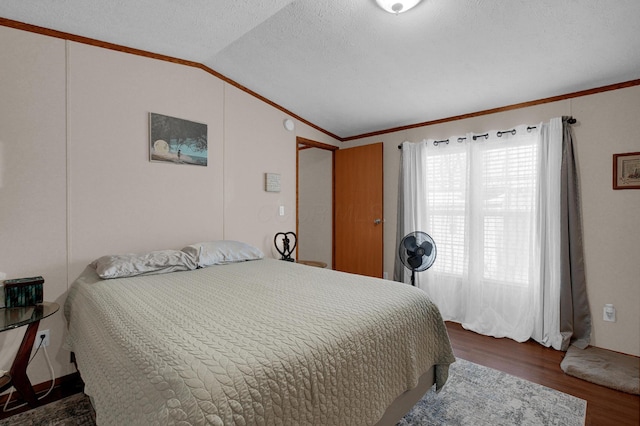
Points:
(45, 341)
(609, 313)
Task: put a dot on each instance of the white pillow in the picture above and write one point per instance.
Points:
(131, 264)
(221, 252)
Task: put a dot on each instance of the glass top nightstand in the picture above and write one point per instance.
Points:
(11, 318)
(17, 317)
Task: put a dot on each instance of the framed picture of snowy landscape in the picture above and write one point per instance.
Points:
(178, 141)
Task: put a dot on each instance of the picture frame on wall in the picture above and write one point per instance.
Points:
(626, 170)
(176, 140)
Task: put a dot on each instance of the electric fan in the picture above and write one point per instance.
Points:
(417, 252)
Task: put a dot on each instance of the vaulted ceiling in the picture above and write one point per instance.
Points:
(351, 68)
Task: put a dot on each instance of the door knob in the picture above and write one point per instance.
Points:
(377, 221)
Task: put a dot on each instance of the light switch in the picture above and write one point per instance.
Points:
(281, 211)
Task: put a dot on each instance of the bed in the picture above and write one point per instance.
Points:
(254, 342)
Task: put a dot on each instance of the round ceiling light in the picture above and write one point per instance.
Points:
(396, 6)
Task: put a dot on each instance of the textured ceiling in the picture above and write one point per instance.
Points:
(351, 68)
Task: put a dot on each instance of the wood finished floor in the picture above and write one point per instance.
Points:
(534, 362)
(530, 361)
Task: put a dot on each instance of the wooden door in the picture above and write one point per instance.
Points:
(358, 213)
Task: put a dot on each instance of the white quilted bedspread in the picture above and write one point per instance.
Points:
(255, 343)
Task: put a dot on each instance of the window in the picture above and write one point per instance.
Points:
(480, 200)
(446, 184)
(505, 241)
(490, 214)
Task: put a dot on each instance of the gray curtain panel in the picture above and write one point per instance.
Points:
(575, 316)
(398, 267)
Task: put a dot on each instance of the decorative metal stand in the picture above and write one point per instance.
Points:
(287, 249)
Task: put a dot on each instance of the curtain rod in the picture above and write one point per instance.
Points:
(571, 120)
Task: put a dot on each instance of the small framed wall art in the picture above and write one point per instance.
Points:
(626, 170)
(178, 141)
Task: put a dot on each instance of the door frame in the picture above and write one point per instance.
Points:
(302, 144)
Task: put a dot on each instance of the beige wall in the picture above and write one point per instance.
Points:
(607, 124)
(76, 182)
(256, 143)
(119, 201)
(315, 199)
(33, 187)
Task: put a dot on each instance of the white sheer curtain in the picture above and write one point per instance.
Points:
(492, 205)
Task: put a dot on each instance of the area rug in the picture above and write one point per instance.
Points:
(72, 410)
(474, 395)
(480, 396)
(607, 368)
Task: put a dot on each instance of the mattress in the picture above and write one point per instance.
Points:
(263, 342)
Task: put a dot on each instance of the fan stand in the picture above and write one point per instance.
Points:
(413, 277)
